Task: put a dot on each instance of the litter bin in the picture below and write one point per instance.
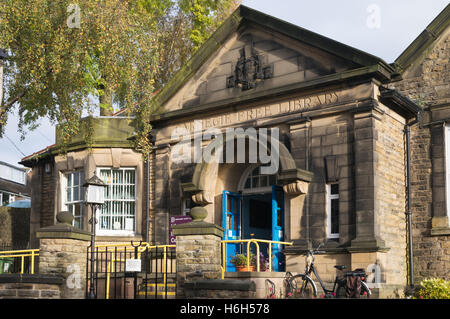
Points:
(5, 264)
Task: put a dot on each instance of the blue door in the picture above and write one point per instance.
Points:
(277, 227)
(231, 222)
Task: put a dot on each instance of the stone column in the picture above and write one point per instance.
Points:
(366, 159)
(198, 250)
(62, 253)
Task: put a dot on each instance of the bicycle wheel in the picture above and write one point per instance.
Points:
(365, 291)
(302, 287)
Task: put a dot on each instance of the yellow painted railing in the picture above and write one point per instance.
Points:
(121, 247)
(249, 242)
(32, 253)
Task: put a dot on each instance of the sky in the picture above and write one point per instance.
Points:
(383, 28)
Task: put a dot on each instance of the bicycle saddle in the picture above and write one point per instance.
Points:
(340, 267)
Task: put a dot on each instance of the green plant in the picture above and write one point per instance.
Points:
(433, 288)
(241, 259)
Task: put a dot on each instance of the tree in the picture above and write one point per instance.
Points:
(67, 59)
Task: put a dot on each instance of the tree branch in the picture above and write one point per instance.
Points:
(5, 108)
(13, 100)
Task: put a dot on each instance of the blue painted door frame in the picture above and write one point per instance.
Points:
(277, 227)
(231, 222)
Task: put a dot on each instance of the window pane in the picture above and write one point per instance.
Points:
(272, 180)
(82, 189)
(75, 179)
(129, 176)
(334, 216)
(255, 182)
(247, 183)
(263, 180)
(76, 193)
(334, 189)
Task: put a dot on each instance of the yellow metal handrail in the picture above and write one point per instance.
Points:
(249, 242)
(21, 254)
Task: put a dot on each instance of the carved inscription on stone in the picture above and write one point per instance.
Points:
(295, 105)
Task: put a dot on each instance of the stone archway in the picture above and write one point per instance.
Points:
(295, 181)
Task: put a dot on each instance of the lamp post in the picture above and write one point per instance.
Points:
(94, 197)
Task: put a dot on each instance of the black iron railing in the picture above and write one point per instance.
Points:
(133, 271)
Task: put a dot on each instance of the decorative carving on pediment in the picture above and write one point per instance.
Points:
(249, 69)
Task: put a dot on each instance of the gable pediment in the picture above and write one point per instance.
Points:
(256, 57)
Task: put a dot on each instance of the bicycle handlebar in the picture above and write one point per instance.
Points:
(316, 251)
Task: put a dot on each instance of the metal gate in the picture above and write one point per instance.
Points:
(132, 271)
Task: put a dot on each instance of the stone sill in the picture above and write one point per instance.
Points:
(440, 231)
(31, 279)
(117, 239)
(218, 284)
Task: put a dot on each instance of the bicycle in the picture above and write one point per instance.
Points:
(303, 286)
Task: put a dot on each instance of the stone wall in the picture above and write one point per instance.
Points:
(63, 253)
(220, 289)
(330, 136)
(390, 197)
(198, 257)
(30, 287)
(426, 83)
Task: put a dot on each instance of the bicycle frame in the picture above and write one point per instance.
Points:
(314, 271)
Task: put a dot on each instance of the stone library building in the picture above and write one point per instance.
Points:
(355, 156)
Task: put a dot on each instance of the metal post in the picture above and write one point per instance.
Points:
(93, 222)
(135, 273)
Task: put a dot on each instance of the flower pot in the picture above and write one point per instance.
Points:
(245, 268)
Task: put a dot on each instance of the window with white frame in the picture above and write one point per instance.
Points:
(118, 214)
(333, 210)
(73, 196)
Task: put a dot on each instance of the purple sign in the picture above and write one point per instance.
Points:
(176, 220)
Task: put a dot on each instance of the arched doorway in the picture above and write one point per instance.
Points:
(256, 211)
(221, 189)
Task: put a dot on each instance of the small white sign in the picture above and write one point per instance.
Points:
(129, 223)
(133, 265)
